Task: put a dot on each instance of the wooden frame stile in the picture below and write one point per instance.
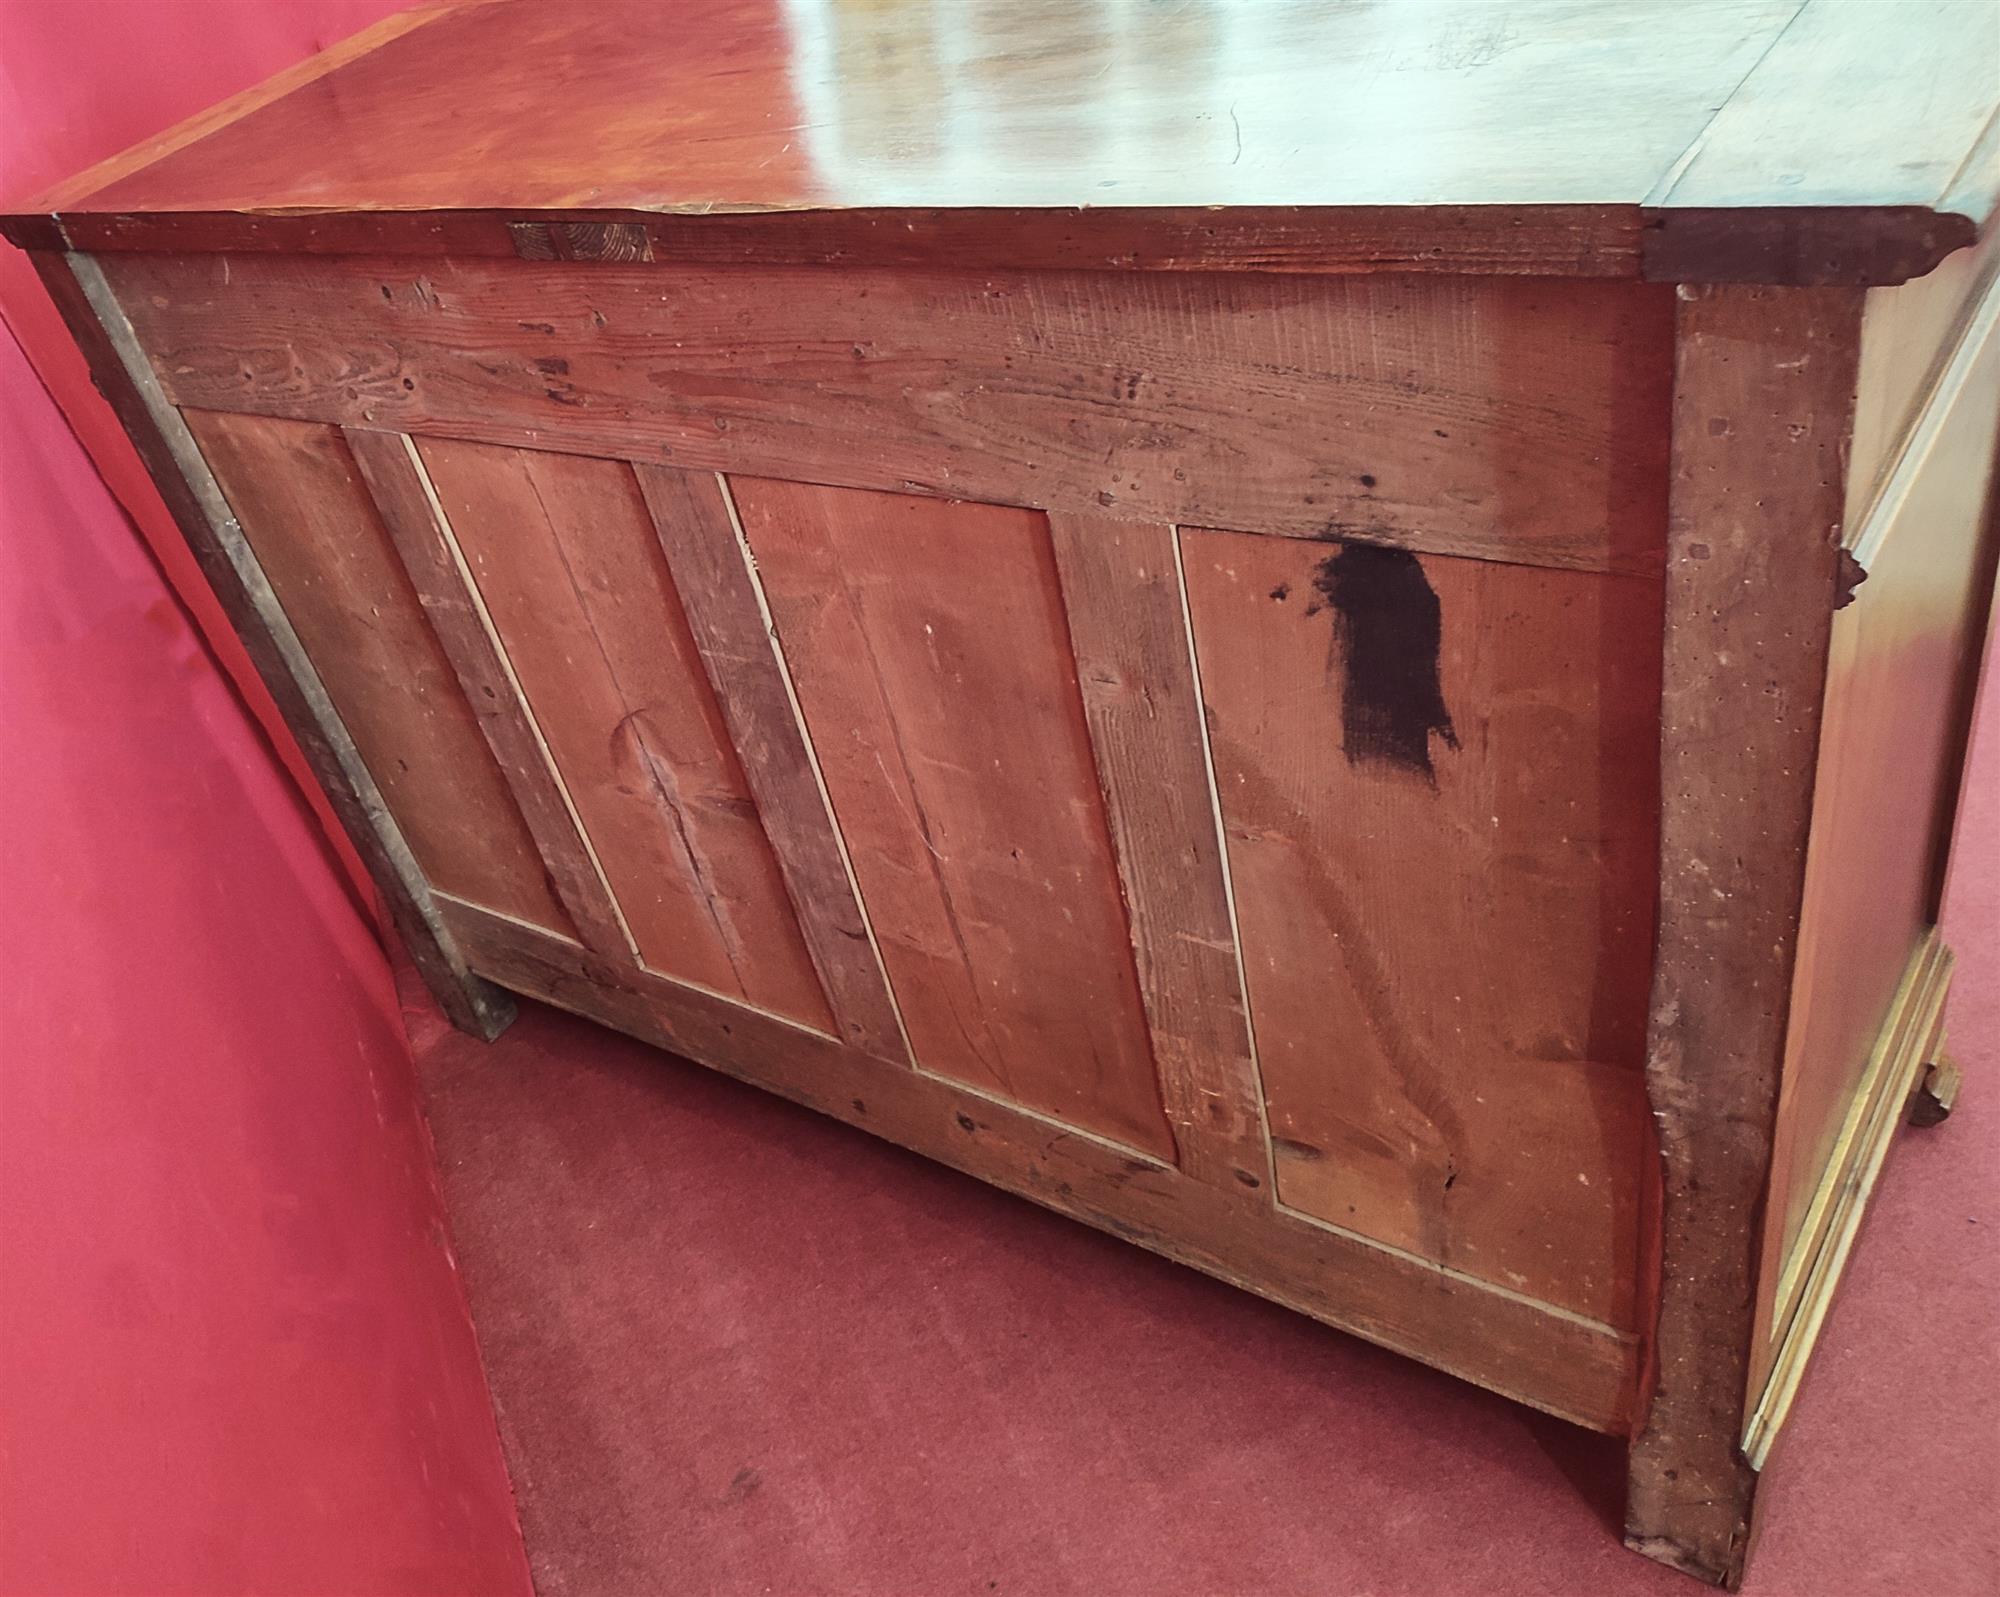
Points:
(696, 523)
(1126, 605)
(1763, 405)
(175, 462)
(416, 522)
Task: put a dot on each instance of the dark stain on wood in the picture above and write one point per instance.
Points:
(1387, 631)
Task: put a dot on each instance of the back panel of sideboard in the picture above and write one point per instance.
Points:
(1183, 748)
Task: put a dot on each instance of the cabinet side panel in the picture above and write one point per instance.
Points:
(929, 648)
(303, 507)
(563, 553)
(1908, 334)
(1438, 786)
(1904, 656)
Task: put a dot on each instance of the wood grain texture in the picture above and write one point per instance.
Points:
(1480, 240)
(928, 644)
(1443, 853)
(697, 533)
(1763, 406)
(1121, 593)
(1856, 102)
(1508, 418)
(566, 562)
(1512, 134)
(303, 506)
(396, 481)
(1902, 669)
(1553, 1361)
(750, 105)
(122, 167)
(1909, 335)
(90, 309)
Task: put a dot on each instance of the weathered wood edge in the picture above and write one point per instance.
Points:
(1873, 246)
(175, 463)
(695, 523)
(1868, 246)
(1763, 407)
(1558, 240)
(1907, 1043)
(1530, 1352)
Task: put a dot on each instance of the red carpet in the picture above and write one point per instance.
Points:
(739, 1349)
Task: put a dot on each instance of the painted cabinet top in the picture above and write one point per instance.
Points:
(1824, 141)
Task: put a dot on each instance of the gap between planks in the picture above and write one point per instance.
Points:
(1222, 856)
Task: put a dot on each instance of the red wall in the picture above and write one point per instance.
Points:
(234, 1352)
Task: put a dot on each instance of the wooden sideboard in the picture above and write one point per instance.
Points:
(1338, 639)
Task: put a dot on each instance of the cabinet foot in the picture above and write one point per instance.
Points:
(1937, 1091)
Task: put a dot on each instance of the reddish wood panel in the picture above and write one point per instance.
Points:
(928, 644)
(1510, 418)
(303, 507)
(1437, 779)
(563, 554)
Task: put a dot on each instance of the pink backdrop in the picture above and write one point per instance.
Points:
(234, 1351)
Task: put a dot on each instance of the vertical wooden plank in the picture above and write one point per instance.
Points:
(1436, 777)
(563, 554)
(402, 494)
(1121, 591)
(928, 646)
(697, 531)
(126, 378)
(1763, 404)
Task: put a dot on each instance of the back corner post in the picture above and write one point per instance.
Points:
(1764, 385)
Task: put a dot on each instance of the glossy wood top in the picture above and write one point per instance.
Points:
(731, 106)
